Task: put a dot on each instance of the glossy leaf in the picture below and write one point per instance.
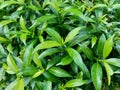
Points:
(109, 72)
(11, 63)
(54, 34)
(78, 60)
(113, 61)
(72, 34)
(101, 45)
(107, 47)
(22, 24)
(75, 83)
(38, 73)
(46, 44)
(96, 74)
(59, 72)
(88, 52)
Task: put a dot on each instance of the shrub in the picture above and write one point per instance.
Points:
(59, 44)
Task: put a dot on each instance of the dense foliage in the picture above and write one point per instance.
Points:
(59, 44)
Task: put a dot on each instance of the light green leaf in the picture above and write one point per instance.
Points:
(38, 73)
(11, 63)
(2, 39)
(72, 34)
(7, 3)
(22, 24)
(113, 61)
(59, 72)
(107, 47)
(66, 60)
(116, 6)
(20, 84)
(75, 83)
(96, 73)
(88, 52)
(42, 19)
(2, 73)
(46, 44)
(93, 41)
(36, 59)
(99, 6)
(23, 38)
(10, 49)
(101, 45)
(78, 60)
(54, 34)
(109, 72)
(5, 22)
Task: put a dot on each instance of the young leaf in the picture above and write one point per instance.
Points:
(36, 59)
(54, 34)
(9, 48)
(101, 45)
(23, 38)
(20, 84)
(88, 52)
(78, 60)
(59, 72)
(72, 34)
(47, 85)
(75, 83)
(22, 24)
(66, 60)
(12, 64)
(45, 45)
(107, 47)
(5, 22)
(2, 40)
(93, 41)
(109, 72)
(38, 73)
(96, 73)
(113, 61)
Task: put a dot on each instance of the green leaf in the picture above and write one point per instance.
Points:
(101, 45)
(5, 22)
(22, 24)
(113, 61)
(75, 83)
(59, 72)
(109, 72)
(2, 73)
(38, 73)
(7, 3)
(47, 85)
(2, 40)
(107, 47)
(116, 6)
(53, 62)
(10, 49)
(50, 77)
(49, 52)
(11, 63)
(29, 70)
(46, 44)
(23, 38)
(78, 60)
(96, 73)
(54, 34)
(36, 59)
(27, 57)
(88, 52)
(20, 84)
(99, 6)
(72, 34)
(42, 19)
(66, 60)
(93, 41)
